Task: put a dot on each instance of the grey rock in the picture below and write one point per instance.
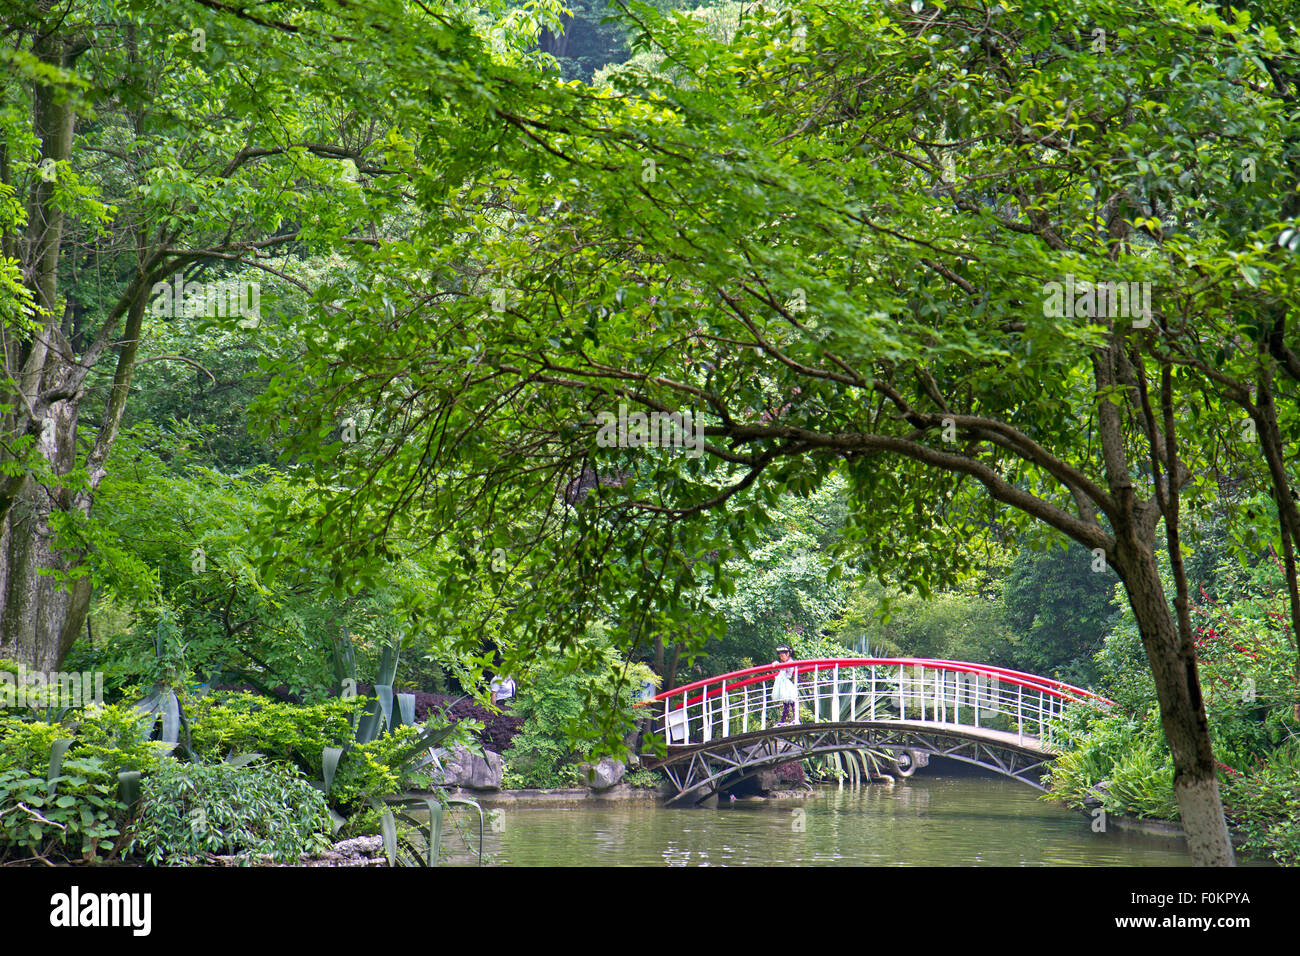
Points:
(464, 769)
(605, 773)
(359, 851)
(362, 846)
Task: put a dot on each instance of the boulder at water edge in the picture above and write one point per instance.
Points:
(605, 773)
(465, 769)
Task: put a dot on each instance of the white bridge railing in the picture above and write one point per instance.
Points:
(950, 693)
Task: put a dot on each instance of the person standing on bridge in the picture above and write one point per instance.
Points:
(783, 688)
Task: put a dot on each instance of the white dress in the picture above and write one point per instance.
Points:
(783, 689)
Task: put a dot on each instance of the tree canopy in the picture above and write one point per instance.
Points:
(1001, 265)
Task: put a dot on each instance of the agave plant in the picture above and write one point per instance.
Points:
(161, 705)
(387, 713)
(399, 847)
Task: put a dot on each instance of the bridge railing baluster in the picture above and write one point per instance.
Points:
(1020, 722)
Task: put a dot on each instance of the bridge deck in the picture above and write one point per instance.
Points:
(1005, 738)
(1021, 742)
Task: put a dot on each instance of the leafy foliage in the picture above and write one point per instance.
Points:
(1060, 609)
(1116, 762)
(253, 811)
(70, 812)
(555, 701)
(1264, 805)
(301, 735)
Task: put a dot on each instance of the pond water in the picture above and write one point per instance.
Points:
(932, 820)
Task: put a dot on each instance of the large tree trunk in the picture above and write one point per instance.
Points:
(1269, 434)
(555, 43)
(1182, 709)
(41, 612)
(35, 604)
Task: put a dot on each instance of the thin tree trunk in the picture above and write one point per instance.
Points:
(1264, 415)
(1172, 657)
(1293, 599)
(1182, 708)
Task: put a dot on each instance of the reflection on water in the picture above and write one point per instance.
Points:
(926, 821)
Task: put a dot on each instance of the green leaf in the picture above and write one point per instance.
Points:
(57, 751)
(330, 758)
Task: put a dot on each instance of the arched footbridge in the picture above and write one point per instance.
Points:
(722, 730)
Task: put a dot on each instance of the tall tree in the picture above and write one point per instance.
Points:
(150, 141)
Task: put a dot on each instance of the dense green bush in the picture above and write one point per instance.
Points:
(643, 779)
(26, 744)
(63, 802)
(541, 755)
(116, 736)
(379, 768)
(1264, 806)
(298, 734)
(1115, 761)
(112, 735)
(261, 810)
(235, 724)
(69, 813)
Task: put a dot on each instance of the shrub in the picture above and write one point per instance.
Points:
(73, 812)
(1264, 806)
(1120, 762)
(377, 769)
(25, 744)
(559, 701)
(293, 733)
(116, 737)
(1142, 780)
(643, 779)
(112, 735)
(263, 809)
(299, 734)
(541, 774)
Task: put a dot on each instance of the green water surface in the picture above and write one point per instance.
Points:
(925, 821)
